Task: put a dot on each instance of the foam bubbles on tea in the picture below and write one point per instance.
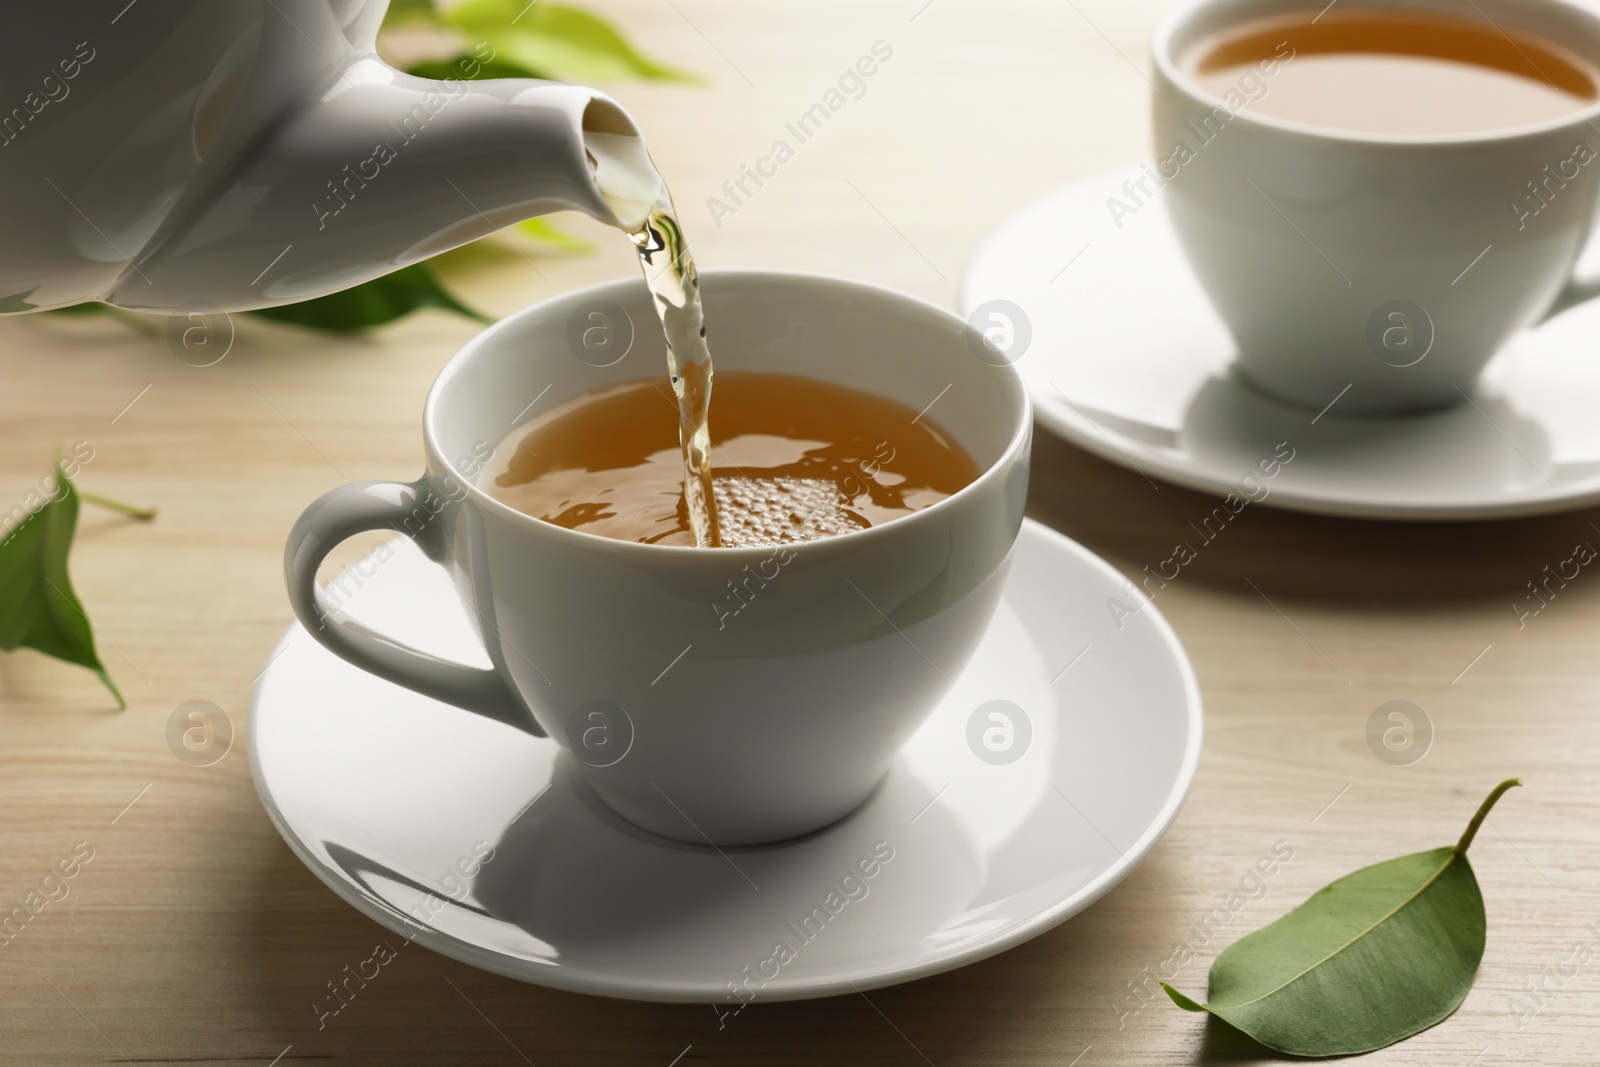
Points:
(780, 510)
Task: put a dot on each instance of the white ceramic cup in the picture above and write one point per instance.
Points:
(1381, 269)
(688, 720)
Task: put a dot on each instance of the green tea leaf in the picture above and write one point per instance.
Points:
(373, 303)
(1368, 960)
(565, 43)
(38, 608)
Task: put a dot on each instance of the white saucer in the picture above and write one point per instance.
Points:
(383, 793)
(1128, 360)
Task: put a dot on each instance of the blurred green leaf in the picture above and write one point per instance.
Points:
(565, 43)
(458, 68)
(546, 232)
(373, 303)
(404, 10)
(127, 318)
(38, 608)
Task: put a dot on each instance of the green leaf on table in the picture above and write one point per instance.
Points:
(373, 303)
(1375, 957)
(38, 608)
(561, 42)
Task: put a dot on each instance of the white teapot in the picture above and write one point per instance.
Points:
(246, 153)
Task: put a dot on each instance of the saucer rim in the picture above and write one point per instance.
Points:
(593, 983)
(1084, 433)
(1054, 413)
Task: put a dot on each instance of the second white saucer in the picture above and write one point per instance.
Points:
(1128, 360)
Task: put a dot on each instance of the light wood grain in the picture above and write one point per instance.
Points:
(194, 936)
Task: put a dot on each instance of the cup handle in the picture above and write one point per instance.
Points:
(1578, 289)
(356, 508)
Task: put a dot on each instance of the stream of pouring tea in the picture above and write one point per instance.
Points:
(639, 199)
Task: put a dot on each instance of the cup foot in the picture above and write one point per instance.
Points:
(732, 830)
(1354, 403)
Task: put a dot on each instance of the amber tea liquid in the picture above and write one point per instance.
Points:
(795, 460)
(1388, 71)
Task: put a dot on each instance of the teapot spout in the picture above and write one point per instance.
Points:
(382, 171)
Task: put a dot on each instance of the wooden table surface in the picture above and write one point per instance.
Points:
(194, 936)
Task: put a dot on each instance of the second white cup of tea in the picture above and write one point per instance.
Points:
(688, 719)
(1381, 269)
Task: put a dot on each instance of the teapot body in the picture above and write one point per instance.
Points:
(108, 115)
(158, 152)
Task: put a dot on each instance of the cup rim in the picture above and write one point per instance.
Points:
(1019, 440)
(1169, 69)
